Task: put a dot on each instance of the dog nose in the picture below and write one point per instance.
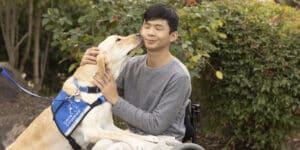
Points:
(138, 34)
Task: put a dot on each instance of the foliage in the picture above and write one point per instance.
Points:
(259, 57)
(78, 25)
(199, 32)
(75, 31)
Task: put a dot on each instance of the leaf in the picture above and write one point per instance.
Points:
(222, 35)
(45, 21)
(72, 67)
(219, 75)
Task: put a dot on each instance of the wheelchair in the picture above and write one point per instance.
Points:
(191, 121)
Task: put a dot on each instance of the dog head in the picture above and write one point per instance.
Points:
(115, 50)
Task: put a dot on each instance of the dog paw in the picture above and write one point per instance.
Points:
(151, 138)
(136, 144)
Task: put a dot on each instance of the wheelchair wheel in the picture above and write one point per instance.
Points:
(188, 146)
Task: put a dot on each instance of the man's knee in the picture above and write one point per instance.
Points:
(119, 146)
(107, 144)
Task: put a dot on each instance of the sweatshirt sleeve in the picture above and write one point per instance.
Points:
(155, 122)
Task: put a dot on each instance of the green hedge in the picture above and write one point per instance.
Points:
(260, 60)
(255, 45)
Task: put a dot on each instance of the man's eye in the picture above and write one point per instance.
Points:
(159, 28)
(146, 26)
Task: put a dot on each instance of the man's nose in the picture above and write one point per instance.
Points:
(150, 31)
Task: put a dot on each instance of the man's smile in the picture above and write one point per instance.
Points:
(149, 41)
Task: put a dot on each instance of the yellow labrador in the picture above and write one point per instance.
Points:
(43, 133)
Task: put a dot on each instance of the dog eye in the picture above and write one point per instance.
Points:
(118, 39)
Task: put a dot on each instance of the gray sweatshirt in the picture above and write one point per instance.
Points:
(153, 99)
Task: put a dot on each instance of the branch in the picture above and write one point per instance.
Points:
(22, 39)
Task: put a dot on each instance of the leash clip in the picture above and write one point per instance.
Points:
(75, 95)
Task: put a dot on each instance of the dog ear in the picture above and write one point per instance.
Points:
(101, 63)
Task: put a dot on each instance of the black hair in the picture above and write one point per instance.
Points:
(162, 11)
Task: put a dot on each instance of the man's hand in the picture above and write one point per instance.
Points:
(90, 56)
(108, 87)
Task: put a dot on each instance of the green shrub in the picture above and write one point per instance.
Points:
(83, 23)
(260, 60)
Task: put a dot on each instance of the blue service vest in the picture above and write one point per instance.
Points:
(68, 113)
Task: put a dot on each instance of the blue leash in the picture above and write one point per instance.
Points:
(7, 76)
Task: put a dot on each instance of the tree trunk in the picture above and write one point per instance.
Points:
(28, 46)
(6, 22)
(44, 59)
(36, 57)
(9, 14)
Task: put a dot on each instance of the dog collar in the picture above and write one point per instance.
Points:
(87, 89)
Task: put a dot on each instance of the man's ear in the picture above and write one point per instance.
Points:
(174, 36)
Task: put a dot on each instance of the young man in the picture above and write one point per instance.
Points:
(152, 91)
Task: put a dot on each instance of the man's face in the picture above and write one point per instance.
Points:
(156, 34)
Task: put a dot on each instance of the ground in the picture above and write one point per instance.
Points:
(17, 108)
